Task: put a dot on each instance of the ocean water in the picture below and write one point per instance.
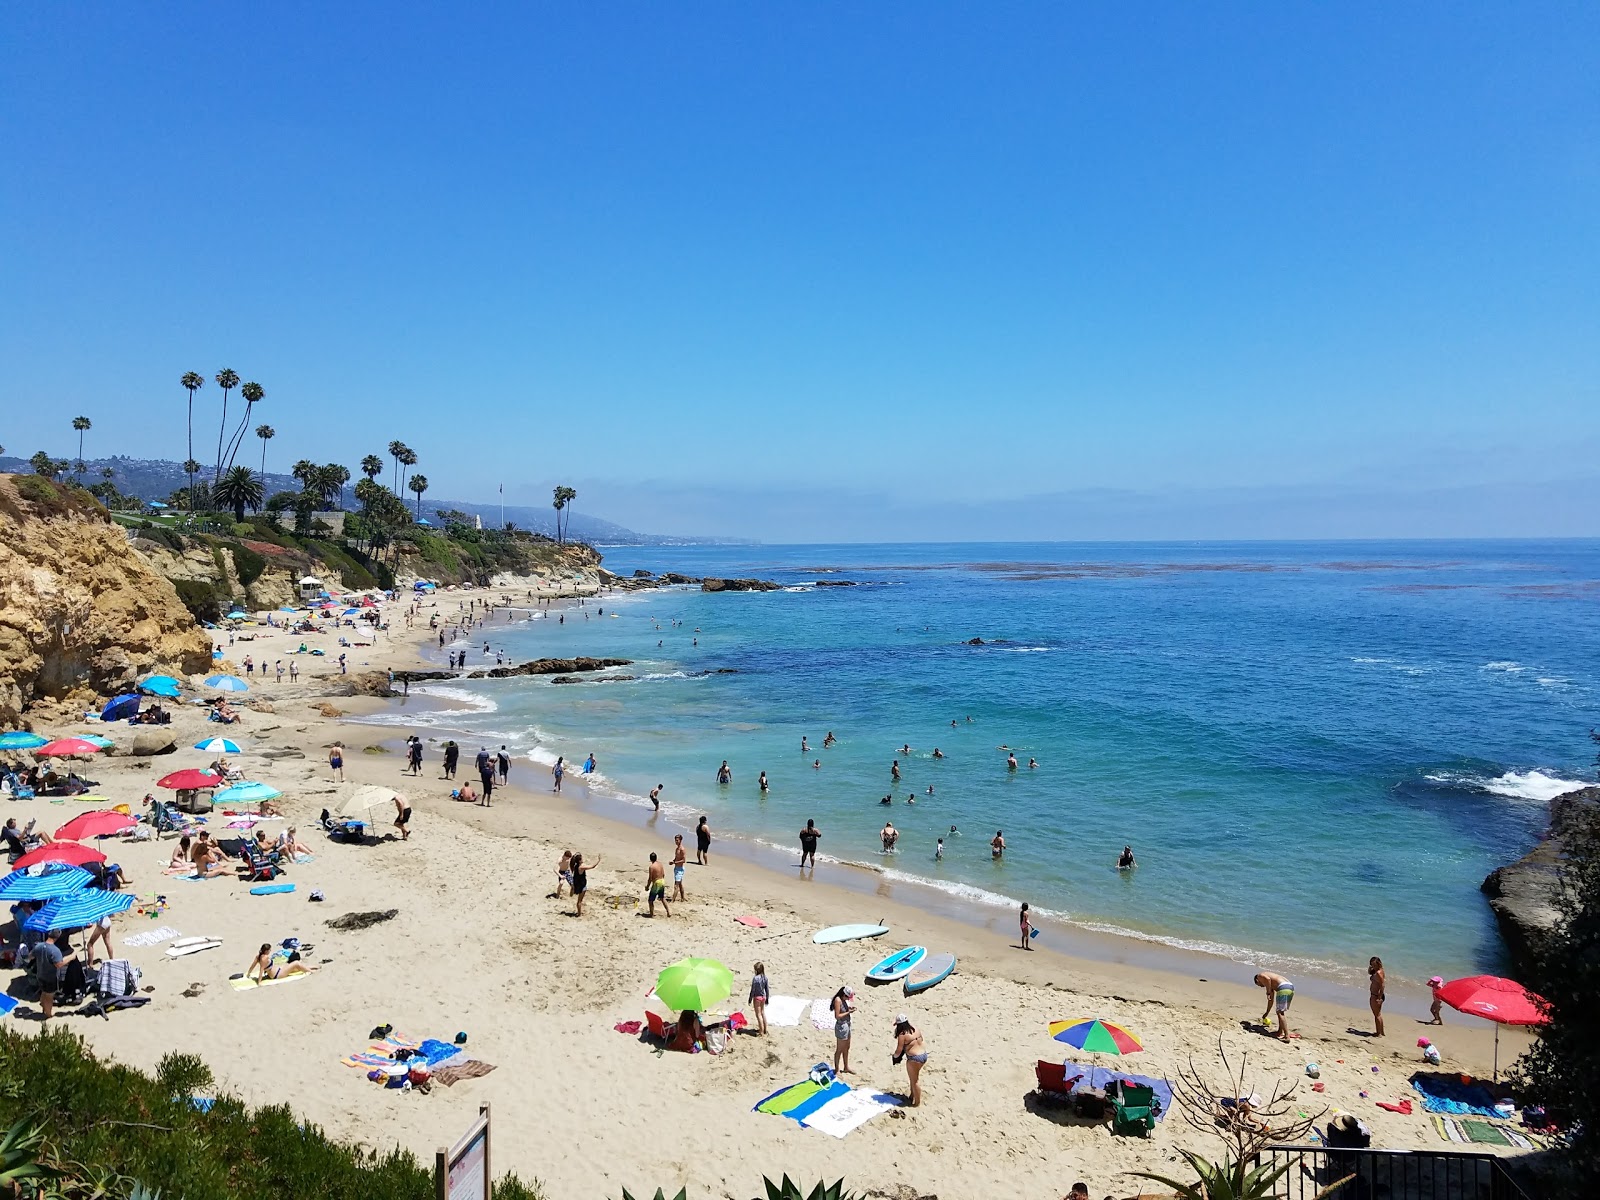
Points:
(1317, 751)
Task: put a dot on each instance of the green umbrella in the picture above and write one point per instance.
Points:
(695, 983)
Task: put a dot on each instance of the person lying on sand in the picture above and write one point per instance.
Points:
(263, 968)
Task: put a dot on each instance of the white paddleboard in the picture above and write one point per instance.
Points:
(847, 933)
(192, 946)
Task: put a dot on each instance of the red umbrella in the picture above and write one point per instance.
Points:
(66, 748)
(67, 852)
(1503, 1001)
(99, 823)
(190, 780)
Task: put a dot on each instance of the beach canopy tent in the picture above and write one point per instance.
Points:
(695, 983)
(1503, 1001)
(102, 822)
(72, 853)
(218, 745)
(227, 683)
(20, 739)
(246, 793)
(160, 685)
(70, 747)
(189, 780)
(120, 708)
(45, 885)
(79, 909)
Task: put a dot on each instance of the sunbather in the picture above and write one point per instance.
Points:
(181, 862)
(289, 844)
(265, 967)
(208, 858)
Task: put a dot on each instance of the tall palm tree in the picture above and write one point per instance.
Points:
(194, 381)
(563, 496)
(82, 425)
(372, 466)
(408, 459)
(339, 475)
(266, 433)
(252, 393)
(227, 380)
(396, 449)
(419, 484)
(239, 489)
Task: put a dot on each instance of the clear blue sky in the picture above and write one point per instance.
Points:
(821, 271)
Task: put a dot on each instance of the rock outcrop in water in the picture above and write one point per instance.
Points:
(739, 585)
(80, 610)
(1523, 894)
(551, 666)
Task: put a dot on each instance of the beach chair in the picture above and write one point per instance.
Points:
(657, 1027)
(260, 867)
(1133, 1109)
(1054, 1086)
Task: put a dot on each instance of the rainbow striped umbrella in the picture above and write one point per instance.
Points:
(1095, 1036)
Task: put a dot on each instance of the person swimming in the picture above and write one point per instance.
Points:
(1125, 860)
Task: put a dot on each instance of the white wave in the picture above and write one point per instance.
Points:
(1535, 785)
(1509, 666)
(804, 587)
(1369, 660)
(474, 701)
(1553, 681)
(1023, 649)
(1241, 954)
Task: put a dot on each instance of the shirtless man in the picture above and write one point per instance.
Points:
(1280, 994)
(679, 857)
(655, 886)
(890, 835)
(655, 796)
(997, 845)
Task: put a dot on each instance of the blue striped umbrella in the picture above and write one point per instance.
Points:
(21, 739)
(246, 793)
(79, 909)
(218, 746)
(20, 885)
(227, 683)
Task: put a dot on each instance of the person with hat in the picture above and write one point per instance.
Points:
(909, 1045)
(843, 1006)
(1434, 985)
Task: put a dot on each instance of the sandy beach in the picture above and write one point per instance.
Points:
(477, 946)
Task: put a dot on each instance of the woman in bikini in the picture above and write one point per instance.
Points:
(580, 881)
(262, 968)
(1375, 987)
(179, 864)
(910, 1045)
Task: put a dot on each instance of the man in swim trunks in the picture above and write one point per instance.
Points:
(655, 886)
(655, 796)
(1280, 994)
(679, 857)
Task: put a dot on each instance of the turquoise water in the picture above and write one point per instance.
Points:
(1317, 751)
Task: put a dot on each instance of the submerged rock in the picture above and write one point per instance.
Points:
(1523, 894)
(551, 666)
(739, 585)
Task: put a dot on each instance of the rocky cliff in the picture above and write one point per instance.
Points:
(80, 610)
(1522, 894)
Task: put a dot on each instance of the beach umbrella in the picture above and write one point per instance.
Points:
(1503, 1001)
(351, 612)
(289, 608)
(160, 685)
(23, 885)
(227, 683)
(1096, 1037)
(218, 746)
(695, 983)
(120, 708)
(79, 909)
(102, 822)
(190, 780)
(20, 739)
(359, 804)
(104, 743)
(70, 747)
(246, 793)
(62, 852)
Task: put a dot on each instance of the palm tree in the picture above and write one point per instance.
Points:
(418, 484)
(194, 381)
(82, 425)
(372, 466)
(239, 489)
(396, 449)
(563, 497)
(252, 393)
(266, 433)
(226, 380)
(408, 459)
(339, 475)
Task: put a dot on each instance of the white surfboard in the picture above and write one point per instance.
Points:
(185, 946)
(847, 933)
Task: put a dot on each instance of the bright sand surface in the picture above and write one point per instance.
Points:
(479, 947)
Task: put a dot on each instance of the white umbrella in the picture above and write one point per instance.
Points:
(359, 805)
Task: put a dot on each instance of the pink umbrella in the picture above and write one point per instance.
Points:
(191, 780)
(1503, 1001)
(70, 747)
(67, 852)
(100, 823)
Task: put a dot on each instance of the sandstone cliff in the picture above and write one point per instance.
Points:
(80, 610)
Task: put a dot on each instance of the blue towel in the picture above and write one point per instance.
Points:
(810, 1105)
(1100, 1075)
(1445, 1094)
(435, 1051)
(7, 1004)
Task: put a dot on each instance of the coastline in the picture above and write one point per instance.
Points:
(477, 946)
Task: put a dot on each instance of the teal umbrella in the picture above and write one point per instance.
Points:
(160, 685)
(21, 739)
(246, 793)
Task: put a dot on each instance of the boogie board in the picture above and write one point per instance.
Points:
(847, 933)
(897, 965)
(753, 922)
(929, 972)
(270, 889)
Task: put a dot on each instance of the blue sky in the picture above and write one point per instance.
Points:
(832, 272)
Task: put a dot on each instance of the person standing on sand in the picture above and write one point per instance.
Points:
(559, 770)
(680, 856)
(759, 994)
(843, 1005)
(702, 842)
(580, 881)
(563, 874)
(336, 761)
(452, 756)
(910, 1045)
(481, 761)
(402, 816)
(655, 886)
(809, 837)
(1027, 928)
(1436, 1016)
(1375, 989)
(415, 754)
(1280, 994)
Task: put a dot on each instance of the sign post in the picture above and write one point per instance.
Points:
(462, 1171)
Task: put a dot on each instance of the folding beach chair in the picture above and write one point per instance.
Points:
(1054, 1086)
(657, 1027)
(1133, 1109)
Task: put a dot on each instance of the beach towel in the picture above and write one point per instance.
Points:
(786, 1010)
(1100, 1075)
(8, 1005)
(1469, 1131)
(782, 1100)
(249, 985)
(1403, 1108)
(851, 1110)
(628, 1026)
(1448, 1095)
(822, 1013)
(153, 937)
(451, 1073)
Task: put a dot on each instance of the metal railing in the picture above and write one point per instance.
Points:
(1394, 1174)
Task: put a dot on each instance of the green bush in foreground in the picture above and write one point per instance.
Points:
(99, 1127)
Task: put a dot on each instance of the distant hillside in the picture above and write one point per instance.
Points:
(158, 478)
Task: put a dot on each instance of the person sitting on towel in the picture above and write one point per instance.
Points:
(688, 1033)
(265, 966)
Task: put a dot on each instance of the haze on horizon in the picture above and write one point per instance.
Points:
(832, 273)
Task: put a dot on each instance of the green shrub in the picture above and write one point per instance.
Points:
(247, 564)
(199, 597)
(37, 489)
(163, 536)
